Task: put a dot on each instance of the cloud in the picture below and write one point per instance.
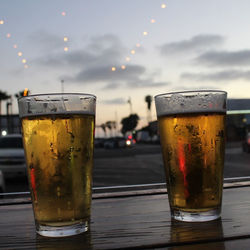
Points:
(196, 43)
(118, 101)
(224, 58)
(92, 64)
(102, 50)
(46, 41)
(149, 82)
(227, 75)
(133, 76)
(94, 73)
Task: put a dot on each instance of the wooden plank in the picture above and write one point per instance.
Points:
(112, 192)
(221, 245)
(138, 222)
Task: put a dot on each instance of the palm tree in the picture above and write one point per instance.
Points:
(148, 100)
(129, 123)
(111, 125)
(3, 96)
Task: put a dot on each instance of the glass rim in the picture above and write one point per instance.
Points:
(57, 94)
(191, 91)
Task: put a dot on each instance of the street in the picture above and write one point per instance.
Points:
(141, 164)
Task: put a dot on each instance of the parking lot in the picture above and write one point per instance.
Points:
(141, 164)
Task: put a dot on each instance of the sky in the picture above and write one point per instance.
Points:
(124, 50)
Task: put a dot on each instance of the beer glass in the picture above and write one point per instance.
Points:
(58, 136)
(192, 134)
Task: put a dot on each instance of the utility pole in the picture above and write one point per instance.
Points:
(62, 86)
(130, 105)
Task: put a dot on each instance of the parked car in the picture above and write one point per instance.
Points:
(246, 143)
(2, 183)
(115, 142)
(12, 159)
(99, 142)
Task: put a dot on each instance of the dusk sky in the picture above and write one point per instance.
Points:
(119, 49)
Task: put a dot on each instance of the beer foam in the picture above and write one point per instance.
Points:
(191, 102)
(58, 114)
(57, 104)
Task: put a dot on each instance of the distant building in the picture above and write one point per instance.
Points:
(238, 120)
(238, 104)
(10, 123)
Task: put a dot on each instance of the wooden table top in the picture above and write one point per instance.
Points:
(136, 221)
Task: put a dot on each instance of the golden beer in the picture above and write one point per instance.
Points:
(59, 156)
(193, 152)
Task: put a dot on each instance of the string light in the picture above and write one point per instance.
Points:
(113, 68)
(145, 33)
(123, 67)
(9, 35)
(65, 38)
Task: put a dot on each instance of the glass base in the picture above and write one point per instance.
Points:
(64, 231)
(196, 216)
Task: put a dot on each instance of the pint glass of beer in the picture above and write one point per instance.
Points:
(58, 136)
(192, 134)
